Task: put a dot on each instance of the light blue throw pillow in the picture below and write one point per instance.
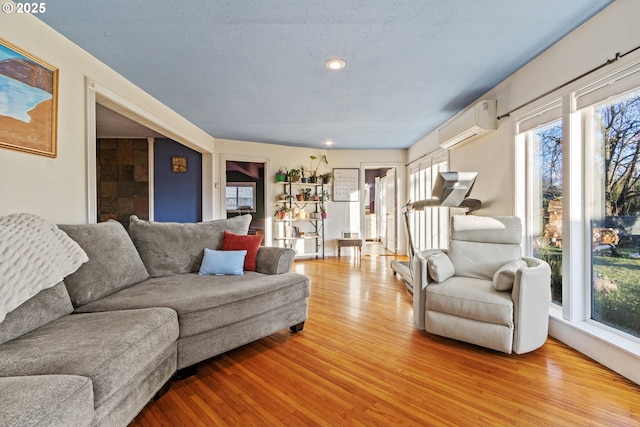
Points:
(222, 262)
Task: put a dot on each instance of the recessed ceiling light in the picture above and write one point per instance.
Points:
(328, 143)
(335, 64)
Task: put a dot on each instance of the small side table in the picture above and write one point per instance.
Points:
(352, 242)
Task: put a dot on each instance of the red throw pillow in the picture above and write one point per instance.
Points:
(237, 242)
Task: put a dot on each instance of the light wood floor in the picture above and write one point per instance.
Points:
(360, 362)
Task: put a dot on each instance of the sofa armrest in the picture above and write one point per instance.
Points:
(420, 281)
(272, 260)
(531, 296)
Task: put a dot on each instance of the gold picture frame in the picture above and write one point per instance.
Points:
(179, 164)
(29, 121)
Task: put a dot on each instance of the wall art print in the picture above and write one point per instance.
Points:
(346, 184)
(28, 102)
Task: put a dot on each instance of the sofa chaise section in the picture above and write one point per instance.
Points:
(125, 354)
(46, 400)
(121, 359)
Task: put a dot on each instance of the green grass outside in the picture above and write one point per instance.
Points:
(617, 302)
(618, 306)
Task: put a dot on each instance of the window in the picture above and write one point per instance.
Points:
(615, 212)
(578, 157)
(544, 207)
(241, 197)
(429, 227)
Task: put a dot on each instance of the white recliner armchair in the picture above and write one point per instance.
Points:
(481, 290)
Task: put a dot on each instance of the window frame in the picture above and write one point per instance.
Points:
(237, 185)
(577, 195)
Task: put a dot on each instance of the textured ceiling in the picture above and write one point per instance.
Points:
(254, 70)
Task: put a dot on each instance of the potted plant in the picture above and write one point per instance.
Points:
(282, 211)
(306, 194)
(313, 173)
(303, 179)
(325, 195)
(326, 177)
(281, 175)
(294, 175)
(323, 212)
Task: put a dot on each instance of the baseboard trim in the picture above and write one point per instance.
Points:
(606, 348)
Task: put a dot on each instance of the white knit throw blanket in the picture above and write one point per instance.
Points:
(34, 255)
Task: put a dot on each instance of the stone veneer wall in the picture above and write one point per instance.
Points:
(123, 179)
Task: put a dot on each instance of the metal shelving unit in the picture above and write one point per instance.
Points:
(303, 229)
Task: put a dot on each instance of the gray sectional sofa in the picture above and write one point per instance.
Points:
(95, 348)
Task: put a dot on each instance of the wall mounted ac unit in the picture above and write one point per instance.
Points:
(470, 124)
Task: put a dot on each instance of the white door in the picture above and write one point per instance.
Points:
(390, 205)
(388, 211)
(381, 210)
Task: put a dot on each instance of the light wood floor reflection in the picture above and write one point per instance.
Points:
(360, 362)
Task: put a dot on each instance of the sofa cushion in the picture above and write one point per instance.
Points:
(173, 248)
(440, 267)
(114, 262)
(110, 348)
(471, 298)
(235, 242)
(46, 400)
(47, 306)
(222, 262)
(505, 276)
(205, 303)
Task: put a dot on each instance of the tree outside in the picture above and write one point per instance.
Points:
(616, 233)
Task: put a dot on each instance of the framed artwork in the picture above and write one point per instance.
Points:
(179, 164)
(346, 184)
(28, 102)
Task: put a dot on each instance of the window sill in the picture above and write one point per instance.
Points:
(615, 351)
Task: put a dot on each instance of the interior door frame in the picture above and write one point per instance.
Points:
(224, 158)
(399, 196)
(96, 93)
(385, 181)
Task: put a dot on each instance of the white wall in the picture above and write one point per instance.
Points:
(613, 30)
(343, 216)
(57, 188)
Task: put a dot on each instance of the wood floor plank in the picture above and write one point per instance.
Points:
(360, 362)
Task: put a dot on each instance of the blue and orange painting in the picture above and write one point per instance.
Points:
(26, 102)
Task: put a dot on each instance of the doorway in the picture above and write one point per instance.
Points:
(245, 192)
(140, 172)
(109, 115)
(380, 210)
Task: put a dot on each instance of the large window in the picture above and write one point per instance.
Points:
(578, 174)
(615, 219)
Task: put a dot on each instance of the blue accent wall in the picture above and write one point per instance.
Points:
(177, 196)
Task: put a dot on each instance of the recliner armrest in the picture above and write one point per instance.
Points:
(420, 281)
(531, 296)
(272, 260)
